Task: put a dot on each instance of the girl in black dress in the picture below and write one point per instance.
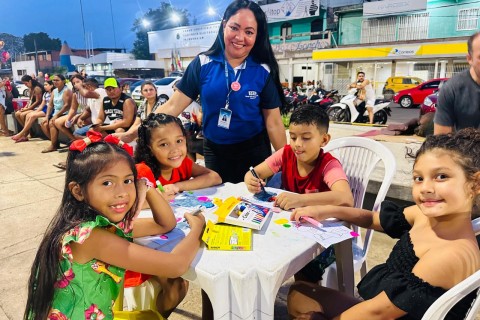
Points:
(436, 250)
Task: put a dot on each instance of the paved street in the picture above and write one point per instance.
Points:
(30, 192)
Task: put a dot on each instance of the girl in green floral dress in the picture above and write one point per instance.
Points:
(78, 270)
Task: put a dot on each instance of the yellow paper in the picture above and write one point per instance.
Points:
(227, 237)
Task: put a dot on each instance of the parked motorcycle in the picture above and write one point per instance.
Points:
(293, 101)
(323, 99)
(346, 111)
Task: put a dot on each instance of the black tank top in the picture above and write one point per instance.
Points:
(114, 112)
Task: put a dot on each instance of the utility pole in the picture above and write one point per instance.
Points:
(36, 55)
(84, 33)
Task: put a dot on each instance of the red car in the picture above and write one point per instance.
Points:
(415, 96)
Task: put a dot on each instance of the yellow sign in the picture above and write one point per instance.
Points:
(430, 50)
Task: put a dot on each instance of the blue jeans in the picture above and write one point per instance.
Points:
(81, 131)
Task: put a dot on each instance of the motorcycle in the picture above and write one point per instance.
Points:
(293, 100)
(323, 99)
(347, 111)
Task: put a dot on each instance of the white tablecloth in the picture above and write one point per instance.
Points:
(243, 285)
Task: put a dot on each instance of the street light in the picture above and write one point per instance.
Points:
(211, 11)
(145, 23)
(175, 17)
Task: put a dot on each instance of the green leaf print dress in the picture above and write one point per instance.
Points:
(89, 290)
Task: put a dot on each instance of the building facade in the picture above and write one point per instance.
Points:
(421, 38)
(330, 41)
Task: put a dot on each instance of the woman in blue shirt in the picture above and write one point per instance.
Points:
(239, 87)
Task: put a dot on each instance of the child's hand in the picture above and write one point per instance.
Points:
(252, 183)
(287, 200)
(316, 212)
(170, 190)
(196, 222)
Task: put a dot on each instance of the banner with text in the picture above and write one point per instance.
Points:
(291, 10)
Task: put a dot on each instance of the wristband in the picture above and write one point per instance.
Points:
(68, 124)
(148, 183)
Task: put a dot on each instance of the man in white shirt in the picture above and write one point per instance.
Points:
(95, 96)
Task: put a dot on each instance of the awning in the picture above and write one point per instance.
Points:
(428, 50)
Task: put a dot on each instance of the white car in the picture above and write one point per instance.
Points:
(22, 89)
(164, 88)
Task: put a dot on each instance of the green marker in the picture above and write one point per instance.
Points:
(160, 187)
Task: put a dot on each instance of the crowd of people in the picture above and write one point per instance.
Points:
(118, 152)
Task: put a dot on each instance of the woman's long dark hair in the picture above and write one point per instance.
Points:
(82, 168)
(143, 152)
(35, 83)
(262, 51)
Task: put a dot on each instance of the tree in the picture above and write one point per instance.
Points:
(42, 40)
(156, 19)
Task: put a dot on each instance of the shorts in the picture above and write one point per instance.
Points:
(82, 131)
(370, 102)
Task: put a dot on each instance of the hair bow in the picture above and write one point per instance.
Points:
(114, 140)
(80, 145)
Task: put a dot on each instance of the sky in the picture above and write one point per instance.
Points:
(63, 19)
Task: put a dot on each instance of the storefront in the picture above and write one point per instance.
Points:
(424, 60)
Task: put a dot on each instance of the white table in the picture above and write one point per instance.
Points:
(243, 285)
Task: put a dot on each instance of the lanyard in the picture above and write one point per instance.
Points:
(237, 79)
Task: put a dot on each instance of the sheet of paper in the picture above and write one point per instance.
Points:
(330, 233)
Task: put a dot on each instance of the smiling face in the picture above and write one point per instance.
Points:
(168, 145)
(112, 192)
(440, 187)
(239, 34)
(306, 141)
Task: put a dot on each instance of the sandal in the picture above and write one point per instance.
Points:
(21, 139)
(49, 149)
(61, 165)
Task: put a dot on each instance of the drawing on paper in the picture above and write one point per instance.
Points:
(330, 233)
(191, 201)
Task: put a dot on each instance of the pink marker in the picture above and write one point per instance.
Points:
(312, 221)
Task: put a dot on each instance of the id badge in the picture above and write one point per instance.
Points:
(224, 118)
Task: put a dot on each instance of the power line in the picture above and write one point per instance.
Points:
(113, 25)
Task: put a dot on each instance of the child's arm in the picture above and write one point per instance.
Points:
(339, 195)
(360, 217)
(377, 308)
(163, 218)
(112, 249)
(202, 178)
(263, 171)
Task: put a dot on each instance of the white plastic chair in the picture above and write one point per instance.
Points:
(439, 309)
(359, 157)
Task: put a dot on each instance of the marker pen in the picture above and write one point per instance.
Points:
(160, 187)
(256, 176)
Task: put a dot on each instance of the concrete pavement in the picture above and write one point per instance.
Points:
(30, 193)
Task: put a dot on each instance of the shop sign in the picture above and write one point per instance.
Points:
(387, 7)
(291, 10)
(301, 45)
(183, 37)
(403, 51)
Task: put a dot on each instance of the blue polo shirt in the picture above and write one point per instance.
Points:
(205, 76)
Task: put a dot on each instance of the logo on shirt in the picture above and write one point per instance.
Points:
(252, 95)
